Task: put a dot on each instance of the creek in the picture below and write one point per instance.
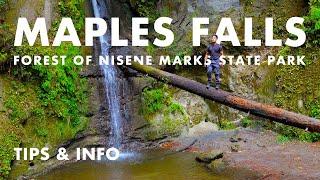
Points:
(147, 165)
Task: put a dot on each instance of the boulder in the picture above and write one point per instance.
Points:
(196, 107)
(217, 166)
(202, 129)
(208, 157)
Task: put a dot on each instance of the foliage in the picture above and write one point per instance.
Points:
(283, 139)
(246, 122)
(47, 104)
(18, 111)
(315, 110)
(226, 124)
(61, 87)
(158, 101)
(150, 49)
(6, 39)
(312, 23)
(295, 133)
(74, 9)
(3, 4)
(176, 108)
(298, 86)
(7, 142)
(154, 100)
(248, 2)
(146, 8)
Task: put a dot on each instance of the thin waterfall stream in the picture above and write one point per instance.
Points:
(110, 81)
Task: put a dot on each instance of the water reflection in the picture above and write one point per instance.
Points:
(151, 165)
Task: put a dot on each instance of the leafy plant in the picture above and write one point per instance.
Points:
(7, 142)
(46, 103)
(226, 125)
(312, 23)
(154, 100)
(3, 4)
(283, 139)
(176, 108)
(315, 110)
(146, 8)
(302, 83)
(246, 122)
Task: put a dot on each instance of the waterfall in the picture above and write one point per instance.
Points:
(110, 81)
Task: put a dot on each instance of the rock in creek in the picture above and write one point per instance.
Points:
(217, 166)
(201, 129)
(208, 157)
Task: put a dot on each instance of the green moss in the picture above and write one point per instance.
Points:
(176, 108)
(299, 83)
(296, 84)
(226, 124)
(8, 142)
(283, 139)
(154, 100)
(157, 102)
(6, 39)
(146, 8)
(42, 105)
(3, 5)
(150, 49)
(297, 88)
(312, 23)
(246, 122)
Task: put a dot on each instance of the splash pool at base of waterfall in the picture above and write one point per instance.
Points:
(148, 165)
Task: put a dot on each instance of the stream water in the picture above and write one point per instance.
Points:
(110, 80)
(148, 165)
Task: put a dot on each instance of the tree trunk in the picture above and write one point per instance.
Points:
(231, 100)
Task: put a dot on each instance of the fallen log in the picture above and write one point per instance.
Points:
(262, 110)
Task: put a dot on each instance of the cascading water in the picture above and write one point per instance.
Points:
(110, 81)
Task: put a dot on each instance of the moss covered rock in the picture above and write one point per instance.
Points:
(208, 157)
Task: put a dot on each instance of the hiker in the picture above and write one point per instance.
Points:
(214, 51)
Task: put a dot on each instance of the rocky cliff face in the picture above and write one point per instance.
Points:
(252, 82)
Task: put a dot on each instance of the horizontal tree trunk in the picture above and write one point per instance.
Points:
(231, 100)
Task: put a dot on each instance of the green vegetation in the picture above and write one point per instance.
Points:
(3, 4)
(165, 116)
(61, 89)
(298, 87)
(41, 105)
(226, 124)
(8, 142)
(283, 139)
(6, 37)
(150, 49)
(154, 100)
(312, 23)
(146, 8)
(246, 122)
(74, 9)
(176, 108)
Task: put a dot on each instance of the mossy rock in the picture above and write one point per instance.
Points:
(208, 157)
(217, 166)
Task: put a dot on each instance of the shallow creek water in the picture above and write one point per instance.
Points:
(150, 165)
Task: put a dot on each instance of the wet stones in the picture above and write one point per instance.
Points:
(217, 166)
(208, 157)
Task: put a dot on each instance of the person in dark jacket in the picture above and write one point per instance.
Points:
(215, 51)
